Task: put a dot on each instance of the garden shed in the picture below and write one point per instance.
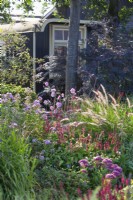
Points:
(48, 34)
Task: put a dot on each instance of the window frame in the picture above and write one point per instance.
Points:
(52, 42)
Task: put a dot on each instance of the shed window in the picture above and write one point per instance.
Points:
(59, 38)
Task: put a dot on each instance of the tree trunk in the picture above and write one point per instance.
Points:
(113, 8)
(72, 51)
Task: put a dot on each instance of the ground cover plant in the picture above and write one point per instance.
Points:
(72, 148)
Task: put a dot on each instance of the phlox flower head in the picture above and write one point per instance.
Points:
(59, 97)
(40, 98)
(47, 142)
(34, 140)
(97, 159)
(46, 84)
(59, 104)
(44, 116)
(1, 100)
(116, 173)
(36, 103)
(107, 162)
(53, 90)
(10, 96)
(110, 176)
(73, 91)
(46, 102)
(53, 94)
(51, 108)
(62, 95)
(83, 163)
(27, 107)
(119, 169)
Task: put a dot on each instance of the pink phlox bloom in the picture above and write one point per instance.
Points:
(110, 176)
(46, 102)
(73, 91)
(46, 84)
(53, 90)
(59, 104)
(62, 95)
(107, 161)
(59, 97)
(53, 94)
(83, 163)
(116, 173)
(51, 108)
(40, 98)
(98, 158)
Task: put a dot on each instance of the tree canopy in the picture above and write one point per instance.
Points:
(93, 9)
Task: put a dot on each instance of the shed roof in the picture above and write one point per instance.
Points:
(35, 23)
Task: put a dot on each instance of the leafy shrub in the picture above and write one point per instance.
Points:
(15, 60)
(108, 61)
(16, 167)
(70, 132)
(15, 90)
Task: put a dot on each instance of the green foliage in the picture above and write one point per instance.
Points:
(95, 9)
(15, 62)
(58, 139)
(125, 13)
(6, 7)
(16, 167)
(15, 90)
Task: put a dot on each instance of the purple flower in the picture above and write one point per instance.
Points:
(51, 108)
(119, 169)
(41, 157)
(47, 141)
(73, 91)
(46, 102)
(55, 111)
(1, 100)
(53, 94)
(116, 173)
(40, 98)
(59, 97)
(112, 167)
(36, 103)
(46, 84)
(10, 95)
(83, 163)
(34, 140)
(110, 176)
(59, 104)
(62, 95)
(27, 108)
(107, 162)
(98, 158)
(44, 116)
(53, 90)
